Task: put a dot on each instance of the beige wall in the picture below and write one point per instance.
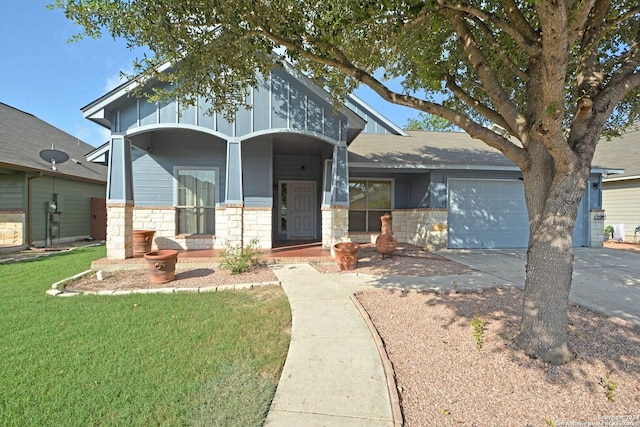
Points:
(621, 204)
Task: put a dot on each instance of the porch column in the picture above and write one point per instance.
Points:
(234, 199)
(340, 190)
(335, 209)
(120, 200)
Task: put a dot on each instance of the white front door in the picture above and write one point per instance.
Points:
(301, 201)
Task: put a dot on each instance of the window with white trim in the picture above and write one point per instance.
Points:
(369, 199)
(196, 200)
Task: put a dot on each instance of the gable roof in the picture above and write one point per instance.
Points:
(621, 153)
(424, 150)
(99, 110)
(23, 136)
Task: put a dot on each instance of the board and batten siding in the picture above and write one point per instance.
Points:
(153, 178)
(13, 191)
(257, 173)
(620, 201)
(281, 102)
(75, 211)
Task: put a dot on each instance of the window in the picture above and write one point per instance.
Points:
(368, 201)
(196, 199)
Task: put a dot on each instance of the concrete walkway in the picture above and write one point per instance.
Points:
(333, 375)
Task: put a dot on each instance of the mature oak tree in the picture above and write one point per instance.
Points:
(556, 74)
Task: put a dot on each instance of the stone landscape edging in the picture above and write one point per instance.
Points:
(58, 289)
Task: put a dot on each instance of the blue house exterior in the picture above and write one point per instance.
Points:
(291, 167)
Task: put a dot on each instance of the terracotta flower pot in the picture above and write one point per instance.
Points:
(386, 242)
(142, 240)
(162, 265)
(346, 255)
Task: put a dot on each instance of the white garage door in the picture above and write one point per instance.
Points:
(487, 214)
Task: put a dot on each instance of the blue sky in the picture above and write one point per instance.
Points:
(44, 75)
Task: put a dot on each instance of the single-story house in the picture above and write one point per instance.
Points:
(621, 192)
(291, 167)
(42, 201)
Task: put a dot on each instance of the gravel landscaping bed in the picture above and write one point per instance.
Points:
(445, 380)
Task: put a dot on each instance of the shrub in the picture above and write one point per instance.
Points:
(239, 259)
(608, 231)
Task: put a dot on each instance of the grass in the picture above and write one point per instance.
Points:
(135, 360)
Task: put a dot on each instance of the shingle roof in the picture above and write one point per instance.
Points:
(622, 153)
(425, 150)
(449, 150)
(23, 136)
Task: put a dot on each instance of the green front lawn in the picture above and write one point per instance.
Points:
(181, 359)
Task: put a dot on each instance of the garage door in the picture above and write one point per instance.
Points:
(487, 214)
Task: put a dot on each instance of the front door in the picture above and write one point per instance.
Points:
(300, 202)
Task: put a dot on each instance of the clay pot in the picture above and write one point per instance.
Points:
(142, 240)
(346, 255)
(386, 242)
(162, 265)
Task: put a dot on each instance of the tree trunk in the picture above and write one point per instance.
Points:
(553, 200)
(543, 332)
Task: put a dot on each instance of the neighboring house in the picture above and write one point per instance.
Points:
(293, 168)
(621, 192)
(40, 205)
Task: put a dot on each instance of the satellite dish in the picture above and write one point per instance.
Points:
(54, 157)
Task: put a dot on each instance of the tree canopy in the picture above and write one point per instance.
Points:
(555, 74)
(429, 122)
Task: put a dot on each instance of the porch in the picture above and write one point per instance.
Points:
(283, 252)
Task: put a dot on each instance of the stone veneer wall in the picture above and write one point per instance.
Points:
(119, 230)
(426, 228)
(12, 226)
(596, 228)
(335, 225)
(258, 225)
(162, 220)
(234, 225)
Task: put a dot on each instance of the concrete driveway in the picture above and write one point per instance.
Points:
(605, 280)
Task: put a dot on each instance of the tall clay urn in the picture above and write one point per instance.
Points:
(346, 255)
(162, 265)
(142, 240)
(386, 242)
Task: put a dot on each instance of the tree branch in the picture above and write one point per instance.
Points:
(578, 19)
(489, 79)
(476, 105)
(527, 40)
(500, 51)
(589, 73)
(519, 21)
(475, 130)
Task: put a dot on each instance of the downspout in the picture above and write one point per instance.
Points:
(40, 174)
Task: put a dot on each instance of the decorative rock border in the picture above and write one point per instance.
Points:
(387, 365)
(58, 288)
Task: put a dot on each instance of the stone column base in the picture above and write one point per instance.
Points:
(119, 230)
